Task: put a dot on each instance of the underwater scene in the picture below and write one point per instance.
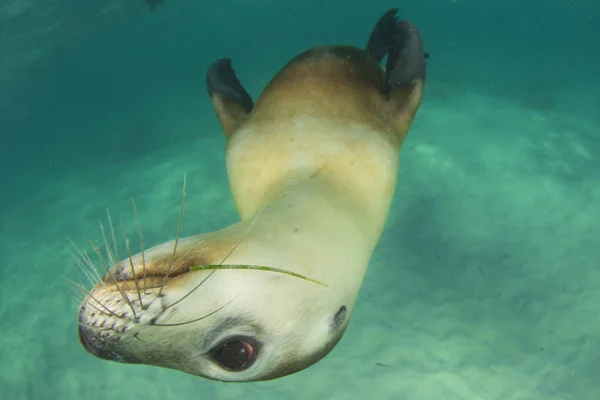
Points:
(269, 199)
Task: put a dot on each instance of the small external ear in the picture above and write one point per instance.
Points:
(405, 66)
(231, 101)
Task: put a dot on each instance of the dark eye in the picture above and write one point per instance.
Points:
(235, 355)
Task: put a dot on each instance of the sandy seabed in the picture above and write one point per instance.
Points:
(484, 286)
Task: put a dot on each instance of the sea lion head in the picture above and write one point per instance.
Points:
(232, 325)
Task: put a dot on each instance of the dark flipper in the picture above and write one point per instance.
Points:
(401, 41)
(405, 67)
(231, 101)
(379, 40)
(221, 79)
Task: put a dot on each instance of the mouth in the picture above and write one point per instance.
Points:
(89, 346)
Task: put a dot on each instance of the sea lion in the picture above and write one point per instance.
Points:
(312, 169)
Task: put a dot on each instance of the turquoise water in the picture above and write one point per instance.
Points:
(485, 282)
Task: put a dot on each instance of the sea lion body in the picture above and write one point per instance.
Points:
(346, 138)
(312, 169)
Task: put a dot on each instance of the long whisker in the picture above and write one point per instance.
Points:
(87, 261)
(137, 287)
(87, 292)
(83, 268)
(137, 217)
(93, 267)
(97, 250)
(111, 256)
(112, 233)
(81, 294)
(191, 291)
(255, 268)
(77, 292)
(245, 234)
(176, 238)
(197, 319)
(99, 310)
(224, 259)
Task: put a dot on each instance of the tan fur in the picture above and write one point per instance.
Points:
(231, 115)
(333, 90)
(312, 169)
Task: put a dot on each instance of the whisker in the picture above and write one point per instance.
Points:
(77, 287)
(82, 298)
(86, 259)
(239, 267)
(87, 292)
(197, 319)
(111, 256)
(112, 233)
(137, 218)
(137, 287)
(94, 269)
(97, 251)
(221, 263)
(176, 238)
(99, 310)
(82, 268)
(245, 234)
(191, 291)
(78, 294)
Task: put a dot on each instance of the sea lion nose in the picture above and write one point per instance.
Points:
(95, 345)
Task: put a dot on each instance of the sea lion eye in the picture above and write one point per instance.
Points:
(235, 355)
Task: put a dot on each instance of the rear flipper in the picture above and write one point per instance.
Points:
(231, 101)
(401, 41)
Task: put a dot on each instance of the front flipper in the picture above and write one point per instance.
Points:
(405, 66)
(230, 100)
(401, 41)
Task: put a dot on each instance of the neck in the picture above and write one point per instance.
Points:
(312, 225)
(308, 223)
